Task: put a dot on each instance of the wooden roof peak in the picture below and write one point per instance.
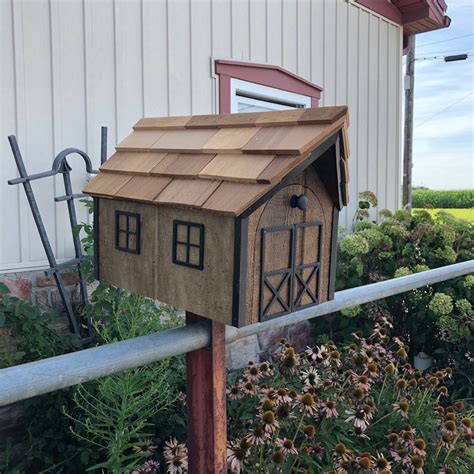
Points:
(218, 163)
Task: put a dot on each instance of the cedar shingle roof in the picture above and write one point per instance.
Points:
(220, 163)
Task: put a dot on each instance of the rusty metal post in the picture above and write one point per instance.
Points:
(206, 403)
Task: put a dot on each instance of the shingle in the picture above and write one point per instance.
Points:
(106, 184)
(132, 162)
(182, 164)
(187, 192)
(182, 141)
(236, 167)
(139, 141)
(163, 123)
(143, 188)
(234, 198)
(229, 140)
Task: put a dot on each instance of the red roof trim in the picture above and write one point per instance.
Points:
(411, 15)
(265, 75)
(384, 8)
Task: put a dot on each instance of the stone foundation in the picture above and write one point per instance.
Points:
(259, 347)
(41, 289)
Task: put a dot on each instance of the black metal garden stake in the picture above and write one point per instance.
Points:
(60, 165)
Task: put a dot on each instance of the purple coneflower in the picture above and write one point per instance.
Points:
(329, 409)
(236, 456)
(176, 456)
(146, 447)
(270, 423)
(286, 446)
(234, 393)
(400, 455)
(316, 353)
(257, 437)
(417, 463)
(248, 388)
(282, 396)
(359, 417)
(382, 464)
(252, 373)
(310, 377)
(419, 447)
(401, 408)
(307, 404)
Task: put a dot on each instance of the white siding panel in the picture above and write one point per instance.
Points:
(330, 48)
(304, 38)
(342, 80)
(317, 41)
(9, 195)
(382, 114)
(289, 35)
(274, 32)
(179, 44)
(37, 115)
(372, 110)
(394, 73)
(363, 99)
(101, 107)
(201, 45)
(70, 67)
(258, 31)
(353, 104)
(69, 106)
(155, 57)
(240, 25)
(128, 65)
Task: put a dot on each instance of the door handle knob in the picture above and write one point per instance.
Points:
(301, 201)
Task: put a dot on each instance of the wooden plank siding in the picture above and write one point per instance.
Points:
(70, 67)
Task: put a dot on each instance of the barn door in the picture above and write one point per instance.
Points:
(290, 268)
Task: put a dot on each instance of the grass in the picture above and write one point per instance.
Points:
(467, 214)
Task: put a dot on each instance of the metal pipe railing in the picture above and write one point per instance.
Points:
(36, 378)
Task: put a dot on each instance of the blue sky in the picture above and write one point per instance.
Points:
(443, 150)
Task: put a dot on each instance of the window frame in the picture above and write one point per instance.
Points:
(127, 231)
(260, 95)
(188, 244)
(261, 74)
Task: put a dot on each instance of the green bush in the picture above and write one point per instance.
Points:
(437, 319)
(459, 199)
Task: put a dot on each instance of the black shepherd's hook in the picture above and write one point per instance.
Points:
(60, 165)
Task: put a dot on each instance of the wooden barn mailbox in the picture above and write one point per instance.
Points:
(233, 217)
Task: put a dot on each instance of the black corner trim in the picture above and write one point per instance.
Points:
(333, 259)
(96, 202)
(239, 286)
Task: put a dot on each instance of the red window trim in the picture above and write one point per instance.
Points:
(265, 75)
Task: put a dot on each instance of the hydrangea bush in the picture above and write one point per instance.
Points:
(436, 319)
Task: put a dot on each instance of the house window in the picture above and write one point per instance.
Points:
(250, 97)
(253, 87)
(188, 244)
(127, 231)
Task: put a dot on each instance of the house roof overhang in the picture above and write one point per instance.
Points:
(416, 16)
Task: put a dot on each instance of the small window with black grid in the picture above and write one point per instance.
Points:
(188, 244)
(127, 231)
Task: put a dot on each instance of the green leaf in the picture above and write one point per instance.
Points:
(4, 288)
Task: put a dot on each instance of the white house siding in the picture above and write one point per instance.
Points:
(70, 66)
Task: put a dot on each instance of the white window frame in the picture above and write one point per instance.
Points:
(264, 96)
